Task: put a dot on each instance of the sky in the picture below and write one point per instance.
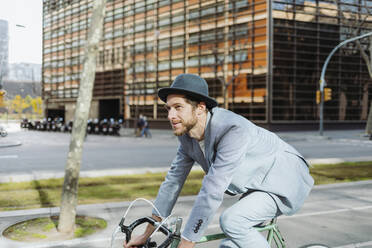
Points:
(25, 43)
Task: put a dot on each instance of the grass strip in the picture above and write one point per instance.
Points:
(38, 229)
(47, 193)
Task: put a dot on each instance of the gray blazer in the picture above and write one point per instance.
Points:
(239, 156)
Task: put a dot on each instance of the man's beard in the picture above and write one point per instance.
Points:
(186, 126)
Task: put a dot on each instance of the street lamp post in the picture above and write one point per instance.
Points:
(324, 83)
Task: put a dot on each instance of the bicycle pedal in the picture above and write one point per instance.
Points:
(152, 244)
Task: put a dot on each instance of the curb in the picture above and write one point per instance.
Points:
(89, 174)
(10, 144)
(130, 171)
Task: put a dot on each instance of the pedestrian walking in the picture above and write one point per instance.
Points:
(140, 125)
(145, 129)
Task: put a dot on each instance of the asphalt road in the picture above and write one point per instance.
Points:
(46, 152)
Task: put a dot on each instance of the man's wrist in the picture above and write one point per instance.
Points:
(150, 228)
(157, 218)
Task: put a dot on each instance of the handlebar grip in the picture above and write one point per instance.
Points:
(129, 229)
(149, 245)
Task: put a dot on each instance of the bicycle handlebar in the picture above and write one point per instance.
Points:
(127, 230)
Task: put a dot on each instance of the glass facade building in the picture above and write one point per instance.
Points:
(4, 50)
(261, 58)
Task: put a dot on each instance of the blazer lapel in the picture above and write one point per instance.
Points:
(209, 150)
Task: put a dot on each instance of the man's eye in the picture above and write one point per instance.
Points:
(178, 107)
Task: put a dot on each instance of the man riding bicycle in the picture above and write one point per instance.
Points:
(238, 157)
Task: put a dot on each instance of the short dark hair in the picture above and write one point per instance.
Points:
(193, 101)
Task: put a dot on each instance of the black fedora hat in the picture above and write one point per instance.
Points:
(190, 85)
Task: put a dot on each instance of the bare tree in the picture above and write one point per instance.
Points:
(70, 185)
(355, 21)
(238, 54)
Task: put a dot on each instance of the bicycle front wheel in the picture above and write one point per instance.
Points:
(314, 246)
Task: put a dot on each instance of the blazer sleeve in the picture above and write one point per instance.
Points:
(173, 183)
(230, 151)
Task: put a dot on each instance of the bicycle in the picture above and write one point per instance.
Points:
(172, 232)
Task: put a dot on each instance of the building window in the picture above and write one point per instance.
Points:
(164, 65)
(177, 63)
(178, 41)
(207, 60)
(193, 62)
(164, 21)
(164, 44)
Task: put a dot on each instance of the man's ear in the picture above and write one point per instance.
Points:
(202, 107)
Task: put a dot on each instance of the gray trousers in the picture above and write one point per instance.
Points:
(238, 220)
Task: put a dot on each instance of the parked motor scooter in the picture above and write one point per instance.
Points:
(53, 125)
(116, 127)
(111, 126)
(31, 125)
(96, 126)
(49, 124)
(90, 126)
(41, 125)
(3, 132)
(60, 125)
(104, 126)
(24, 123)
(69, 126)
(37, 125)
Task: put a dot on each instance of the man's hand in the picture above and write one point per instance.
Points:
(136, 241)
(186, 244)
(140, 240)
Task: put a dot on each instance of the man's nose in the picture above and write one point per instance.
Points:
(171, 114)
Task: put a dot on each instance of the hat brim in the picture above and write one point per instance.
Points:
(164, 92)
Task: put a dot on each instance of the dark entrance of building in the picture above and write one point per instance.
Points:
(56, 113)
(109, 108)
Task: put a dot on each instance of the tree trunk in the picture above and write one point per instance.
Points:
(70, 185)
(369, 121)
(365, 97)
(342, 106)
(225, 97)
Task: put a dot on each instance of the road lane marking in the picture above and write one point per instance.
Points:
(337, 160)
(362, 244)
(313, 214)
(328, 212)
(8, 156)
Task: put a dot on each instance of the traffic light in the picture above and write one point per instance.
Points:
(317, 96)
(327, 94)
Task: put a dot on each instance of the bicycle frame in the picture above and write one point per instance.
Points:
(173, 232)
(272, 229)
